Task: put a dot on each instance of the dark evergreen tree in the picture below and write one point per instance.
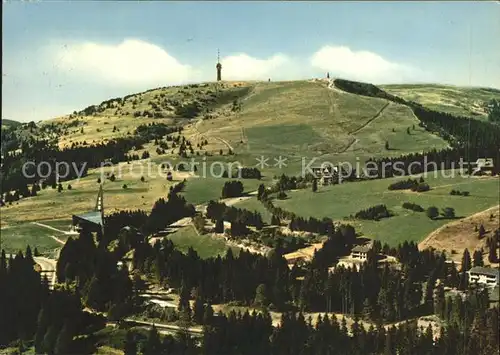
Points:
(130, 345)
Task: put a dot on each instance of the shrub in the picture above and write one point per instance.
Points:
(403, 185)
(232, 189)
(448, 212)
(432, 212)
(421, 187)
(124, 186)
(413, 207)
(374, 213)
(457, 192)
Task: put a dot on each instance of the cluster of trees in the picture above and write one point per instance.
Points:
(282, 244)
(374, 213)
(113, 223)
(31, 314)
(167, 211)
(493, 244)
(286, 183)
(405, 184)
(244, 173)
(218, 280)
(340, 241)
(189, 110)
(22, 296)
(253, 333)
(60, 164)
(459, 193)
(100, 282)
(60, 320)
(493, 109)
(239, 218)
(422, 187)
(447, 212)
(164, 212)
(311, 224)
(413, 207)
(232, 189)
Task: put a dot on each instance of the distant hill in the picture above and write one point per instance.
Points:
(462, 101)
(9, 123)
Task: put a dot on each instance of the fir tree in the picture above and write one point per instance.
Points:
(64, 340)
(130, 346)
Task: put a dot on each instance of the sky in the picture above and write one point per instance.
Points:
(59, 57)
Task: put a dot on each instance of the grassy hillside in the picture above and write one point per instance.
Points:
(18, 236)
(456, 236)
(307, 119)
(455, 100)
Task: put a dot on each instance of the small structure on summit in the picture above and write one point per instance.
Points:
(218, 67)
(328, 75)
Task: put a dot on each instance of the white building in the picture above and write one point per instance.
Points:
(488, 277)
(360, 252)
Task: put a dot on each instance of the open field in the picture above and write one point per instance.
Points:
(18, 236)
(459, 235)
(340, 201)
(62, 224)
(392, 126)
(452, 99)
(204, 244)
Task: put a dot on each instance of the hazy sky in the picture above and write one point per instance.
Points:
(63, 56)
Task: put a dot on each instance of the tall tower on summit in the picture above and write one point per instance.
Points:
(218, 67)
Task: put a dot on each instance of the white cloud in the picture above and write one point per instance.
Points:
(131, 62)
(135, 63)
(343, 62)
(243, 67)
